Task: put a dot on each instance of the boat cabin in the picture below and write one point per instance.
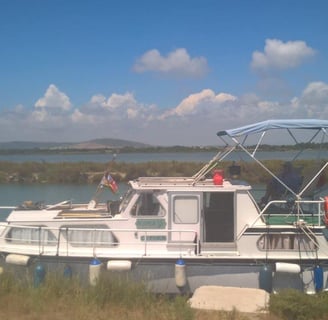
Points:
(202, 213)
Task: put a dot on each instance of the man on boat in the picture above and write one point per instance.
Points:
(289, 177)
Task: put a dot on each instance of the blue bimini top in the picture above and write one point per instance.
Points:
(275, 124)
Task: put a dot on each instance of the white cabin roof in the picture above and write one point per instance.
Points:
(186, 184)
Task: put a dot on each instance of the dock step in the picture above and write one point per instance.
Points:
(248, 300)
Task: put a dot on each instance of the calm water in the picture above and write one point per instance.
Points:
(15, 194)
(145, 157)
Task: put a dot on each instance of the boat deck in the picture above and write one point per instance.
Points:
(293, 220)
(282, 213)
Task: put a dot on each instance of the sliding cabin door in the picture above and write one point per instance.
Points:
(218, 223)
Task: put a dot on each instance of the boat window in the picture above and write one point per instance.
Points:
(31, 236)
(147, 205)
(287, 241)
(126, 199)
(185, 209)
(89, 236)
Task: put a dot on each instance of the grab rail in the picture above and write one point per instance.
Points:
(293, 209)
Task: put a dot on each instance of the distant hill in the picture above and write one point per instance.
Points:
(92, 144)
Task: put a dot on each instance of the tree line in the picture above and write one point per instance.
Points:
(154, 149)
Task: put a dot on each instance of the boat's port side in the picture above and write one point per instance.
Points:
(96, 240)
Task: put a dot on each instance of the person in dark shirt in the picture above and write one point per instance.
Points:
(290, 177)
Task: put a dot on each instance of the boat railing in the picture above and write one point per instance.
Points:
(73, 241)
(291, 212)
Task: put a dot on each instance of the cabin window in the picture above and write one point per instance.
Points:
(126, 200)
(147, 205)
(31, 236)
(287, 241)
(185, 209)
(89, 236)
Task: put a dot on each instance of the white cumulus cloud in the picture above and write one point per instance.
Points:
(313, 101)
(178, 63)
(115, 101)
(196, 101)
(39, 115)
(281, 55)
(54, 98)
(78, 117)
(316, 93)
(194, 120)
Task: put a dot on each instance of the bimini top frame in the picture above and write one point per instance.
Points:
(238, 138)
(263, 127)
(317, 126)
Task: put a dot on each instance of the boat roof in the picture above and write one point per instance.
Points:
(186, 183)
(263, 126)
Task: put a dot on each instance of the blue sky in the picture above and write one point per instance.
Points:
(158, 72)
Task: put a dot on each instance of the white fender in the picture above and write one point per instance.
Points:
(288, 267)
(17, 259)
(180, 274)
(119, 265)
(94, 271)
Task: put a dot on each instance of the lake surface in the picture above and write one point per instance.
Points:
(16, 194)
(165, 156)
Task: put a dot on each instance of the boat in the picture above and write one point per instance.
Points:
(180, 233)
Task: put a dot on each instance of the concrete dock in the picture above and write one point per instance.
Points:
(248, 300)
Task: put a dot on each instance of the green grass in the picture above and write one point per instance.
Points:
(59, 298)
(292, 304)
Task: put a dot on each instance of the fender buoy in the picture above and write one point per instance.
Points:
(94, 271)
(318, 278)
(325, 206)
(265, 278)
(180, 273)
(39, 275)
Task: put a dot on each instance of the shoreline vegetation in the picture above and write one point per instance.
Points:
(95, 148)
(91, 172)
(112, 297)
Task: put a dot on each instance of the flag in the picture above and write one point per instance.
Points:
(108, 181)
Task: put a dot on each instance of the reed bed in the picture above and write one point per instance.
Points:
(89, 172)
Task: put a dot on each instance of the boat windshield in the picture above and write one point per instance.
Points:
(126, 199)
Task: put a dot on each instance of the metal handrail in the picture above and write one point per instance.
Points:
(264, 212)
